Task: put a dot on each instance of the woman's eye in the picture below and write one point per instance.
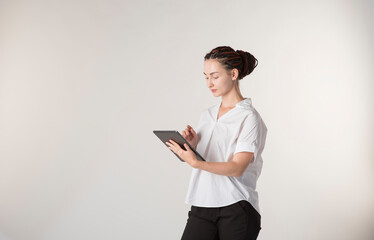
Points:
(214, 78)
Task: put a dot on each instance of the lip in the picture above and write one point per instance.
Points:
(213, 90)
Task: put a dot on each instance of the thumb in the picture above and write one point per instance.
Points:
(186, 146)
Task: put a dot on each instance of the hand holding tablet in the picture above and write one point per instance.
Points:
(166, 135)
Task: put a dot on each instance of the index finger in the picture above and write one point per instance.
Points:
(191, 129)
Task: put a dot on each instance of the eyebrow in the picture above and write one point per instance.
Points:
(210, 73)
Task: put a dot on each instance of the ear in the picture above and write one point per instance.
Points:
(234, 74)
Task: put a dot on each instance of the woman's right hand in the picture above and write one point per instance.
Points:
(190, 135)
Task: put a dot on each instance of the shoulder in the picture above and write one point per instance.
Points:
(250, 113)
(247, 109)
(252, 117)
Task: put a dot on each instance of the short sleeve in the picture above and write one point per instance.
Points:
(248, 135)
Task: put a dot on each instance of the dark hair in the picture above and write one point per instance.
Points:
(230, 59)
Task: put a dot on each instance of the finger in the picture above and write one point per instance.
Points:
(169, 145)
(172, 143)
(176, 145)
(187, 131)
(187, 147)
(172, 148)
(193, 131)
(176, 148)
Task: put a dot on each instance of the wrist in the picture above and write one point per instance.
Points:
(198, 164)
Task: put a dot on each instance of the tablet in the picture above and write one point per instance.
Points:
(166, 135)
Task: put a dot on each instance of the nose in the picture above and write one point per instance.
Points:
(209, 83)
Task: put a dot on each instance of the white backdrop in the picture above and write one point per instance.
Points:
(84, 83)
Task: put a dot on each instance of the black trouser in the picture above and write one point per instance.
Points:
(237, 221)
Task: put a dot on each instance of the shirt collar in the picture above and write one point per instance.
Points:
(246, 103)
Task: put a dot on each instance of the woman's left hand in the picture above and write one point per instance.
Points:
(187, 155)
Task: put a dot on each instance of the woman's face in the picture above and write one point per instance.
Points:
(217, 77)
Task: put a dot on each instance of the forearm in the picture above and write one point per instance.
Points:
(221, 168)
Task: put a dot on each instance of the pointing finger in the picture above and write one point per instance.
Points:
(188, 129)
(192, 130)
(187, 134)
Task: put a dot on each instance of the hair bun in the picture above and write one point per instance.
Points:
(249, 63)
(243, 61)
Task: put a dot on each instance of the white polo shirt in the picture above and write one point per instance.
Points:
(241, 129)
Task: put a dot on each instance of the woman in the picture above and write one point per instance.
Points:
(231, 137)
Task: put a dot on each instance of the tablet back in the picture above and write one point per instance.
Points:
(166, 135)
